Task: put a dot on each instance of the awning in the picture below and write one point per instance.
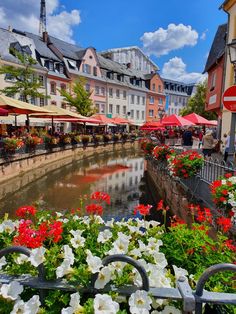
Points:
(119, 120)
(196, 119)
(60, 113)
(103, 119)
(174, 120)
(3, 112)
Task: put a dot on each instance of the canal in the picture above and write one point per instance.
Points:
(119, 173)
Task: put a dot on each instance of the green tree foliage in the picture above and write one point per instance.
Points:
(196, 103)
(24, 80)
(79, 98)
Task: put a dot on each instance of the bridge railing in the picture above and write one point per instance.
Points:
(192, 300)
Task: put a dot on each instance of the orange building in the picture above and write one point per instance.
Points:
(156, 98)
(215, 69)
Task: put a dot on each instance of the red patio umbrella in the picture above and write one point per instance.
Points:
(212, 122)
(119, 120)
(196, 119)
(74, 120)
(152, 124)
(152, 129)
(3, 112)
(174, 120)
(103, 119)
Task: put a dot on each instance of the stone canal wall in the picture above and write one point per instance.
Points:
(21, 171)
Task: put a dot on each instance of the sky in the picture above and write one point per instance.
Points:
(175, 34)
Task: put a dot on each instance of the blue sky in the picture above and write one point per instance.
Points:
(179, 49)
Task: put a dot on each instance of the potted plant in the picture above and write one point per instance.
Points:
(85, 140)
(10, 145)
(161, 152)
(116, 137)
(185, 165)
(32, 141)
(106, 138)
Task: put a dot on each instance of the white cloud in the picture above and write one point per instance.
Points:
(24, 15)
(162, 41)
(203, 35)
(175, 69)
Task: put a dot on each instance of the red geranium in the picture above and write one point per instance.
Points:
(101, 197)
(23, 211)
(94, 209)
(224, 223)
(142, 209)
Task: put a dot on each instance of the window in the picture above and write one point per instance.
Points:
(50, 66)
(143, 115)
(117, 93)
(213, 80)
(138, 100)
(97, 107)
(87, 87)
(9, 77)
(95, 71)
(143, 101)
(132, 114)
(63, 105)
(151, 113)
(41, 101)
(53, 103)
(137, 114)
(53, 88)
(33, 100)
(110, 108)
(63, 87)
(124, 109)
(132, 99)
(159, 88)
(118, 109)
(21, 97)
(97, 90)
(110, 92)
(154, 87)
(41, 80)
(86, 68)
(61, 69)
(160, 101)
(103, 91)
(151, 100)
(102, 108)
(124, 94)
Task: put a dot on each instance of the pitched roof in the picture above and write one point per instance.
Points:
(217, 48)
(42, 47)
(68, 50)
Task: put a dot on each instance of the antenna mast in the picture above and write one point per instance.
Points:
(42, 22)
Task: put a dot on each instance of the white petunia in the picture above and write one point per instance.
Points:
(64, 268)
(179, 272)
(68, 254)
(37, 256)
(171, 310)
(154, 245)
(135, 252)
(29, 307)
(7, 226)
(160, 259)
(120, 246)
(110, 223)
(78, 240)
(75, 306)
(98, 220)
(94, 262)
(2, 262)
(22, 258)
(103, 278)
(103, 304)
(140, 302)
(11, 291)
(104, 236)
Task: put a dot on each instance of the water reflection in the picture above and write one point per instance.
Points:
(118, 174)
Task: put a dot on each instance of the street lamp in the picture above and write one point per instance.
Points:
(161, 113)
(232, 56)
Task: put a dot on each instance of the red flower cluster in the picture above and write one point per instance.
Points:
(220, 191)
(224, 223)
(160, 206)
(147, 146)
(204, 215)
(177, 221)
(101, 197)
(142, 209)
(33, 238)
(186, 164)
(230, 245)
(94, 209)
(23, 211)
(161, 152)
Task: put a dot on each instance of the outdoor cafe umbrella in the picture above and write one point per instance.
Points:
(196, 119)
(103, 119)
(3, 112)
(174, 120)
(152, 124)
(119, 120)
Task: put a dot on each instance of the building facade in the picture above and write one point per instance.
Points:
(215, 69)
(156, 99)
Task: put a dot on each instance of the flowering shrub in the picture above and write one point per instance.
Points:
(147, 146)
(224, 191)
(85, 139)
(33, 141)
(161, 152)
(185, 165)
(11, 144)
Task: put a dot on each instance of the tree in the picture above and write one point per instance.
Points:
(197, 103)
(24, 81)
(80, 98)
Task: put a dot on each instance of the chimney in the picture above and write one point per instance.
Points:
(128, 65)
(10, 28)
(45, 37)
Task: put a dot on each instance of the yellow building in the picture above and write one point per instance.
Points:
(229, 6)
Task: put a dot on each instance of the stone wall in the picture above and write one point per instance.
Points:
(22, 171)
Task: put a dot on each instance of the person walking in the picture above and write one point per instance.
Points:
(188, 137)
(227, 142)
(208, 143)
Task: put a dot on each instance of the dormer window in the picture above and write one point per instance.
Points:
(95, 71)
(71, 64)
(50, 66)
(86, 68)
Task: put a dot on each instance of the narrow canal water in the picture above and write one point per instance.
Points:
(120, 174)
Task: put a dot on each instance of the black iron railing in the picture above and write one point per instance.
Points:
(192, 300)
